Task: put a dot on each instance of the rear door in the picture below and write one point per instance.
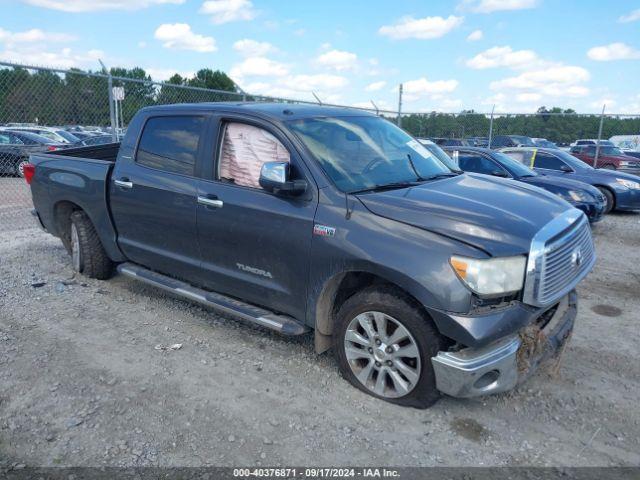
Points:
(255, 245)
(153, 194)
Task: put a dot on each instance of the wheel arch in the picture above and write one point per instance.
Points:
(337, 289)
(610, 190)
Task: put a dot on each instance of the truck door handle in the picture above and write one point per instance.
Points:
(210, 202)
(124, 183)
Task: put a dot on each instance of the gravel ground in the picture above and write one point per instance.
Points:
(82, 383)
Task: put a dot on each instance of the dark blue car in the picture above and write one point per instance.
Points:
(490, 162)
(621, 190)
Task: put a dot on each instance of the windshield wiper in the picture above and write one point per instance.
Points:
(442, 175)
(386, 186)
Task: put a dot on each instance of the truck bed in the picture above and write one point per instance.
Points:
(76, 178)
(107, 152)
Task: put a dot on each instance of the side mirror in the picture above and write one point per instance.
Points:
(566, 169)
(274, 178)
(500, 173)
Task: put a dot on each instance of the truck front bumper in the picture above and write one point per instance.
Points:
(501, 365)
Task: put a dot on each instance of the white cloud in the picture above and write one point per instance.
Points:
(630, 17)
(375, 86)
(503, 57)
(97, 5)
(64, 58)
(414, 89)
(258, 67)
(320, 81)
(33, 35)
(489, 6)
(421, 28)
(162, 74)
(251, 48)
(613, 51)
(142, 44)
(552, 81)
(528, 97)
(179, 36)
(327, 86)
(475, 36)
(337, 60)
(224, 11)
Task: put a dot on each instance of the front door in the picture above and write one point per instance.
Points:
(255, 245)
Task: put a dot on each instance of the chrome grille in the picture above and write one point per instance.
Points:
(561, 255)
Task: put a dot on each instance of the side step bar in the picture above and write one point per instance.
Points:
(250, 313)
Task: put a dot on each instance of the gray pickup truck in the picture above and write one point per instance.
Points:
(423, 280)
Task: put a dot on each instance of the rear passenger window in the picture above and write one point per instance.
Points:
(245, 149)
(170, 143)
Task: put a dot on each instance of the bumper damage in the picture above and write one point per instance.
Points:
(505, 363)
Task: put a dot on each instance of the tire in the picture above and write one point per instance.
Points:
(394, 306)
(609, 198)
(608, 166)
(19, 172)
(87, 253)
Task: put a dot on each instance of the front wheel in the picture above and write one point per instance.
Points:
(609, 201)
(384, 344)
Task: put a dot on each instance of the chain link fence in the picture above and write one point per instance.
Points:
(97, 107)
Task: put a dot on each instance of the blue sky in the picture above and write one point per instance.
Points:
(449, 55)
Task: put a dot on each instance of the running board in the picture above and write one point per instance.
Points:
(250, 313)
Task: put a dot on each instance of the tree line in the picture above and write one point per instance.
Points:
(79, 98)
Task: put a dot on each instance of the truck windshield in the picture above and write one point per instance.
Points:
(361, 153)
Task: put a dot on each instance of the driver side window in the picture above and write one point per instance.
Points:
(548, 161)
(245, 148)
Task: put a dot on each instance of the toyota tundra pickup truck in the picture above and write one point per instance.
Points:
(423, 280)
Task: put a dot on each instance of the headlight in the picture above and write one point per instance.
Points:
(573, 196)
(628, 183)
(491, 276)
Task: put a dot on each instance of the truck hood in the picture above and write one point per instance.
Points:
(496, 215)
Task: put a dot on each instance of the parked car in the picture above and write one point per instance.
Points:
(478, 141)
(312, 217)
(449, 141)
(500, 141)
(626, 142)
(591, 141)
(621, 190)
(490, 162)
(440, 154)
(543, 142)
(94, 140)
(15, 148)
(611, 158)
(58, 135)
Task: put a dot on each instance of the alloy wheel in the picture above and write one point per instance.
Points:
(382, 354)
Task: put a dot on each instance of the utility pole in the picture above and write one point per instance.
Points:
(595, 158)
(491, 125)
(112, 114)
(400, 106)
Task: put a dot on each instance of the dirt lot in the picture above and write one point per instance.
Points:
(81, 383)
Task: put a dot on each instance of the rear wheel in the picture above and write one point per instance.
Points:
(608, 198)
(384, 344)
(87, 253)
